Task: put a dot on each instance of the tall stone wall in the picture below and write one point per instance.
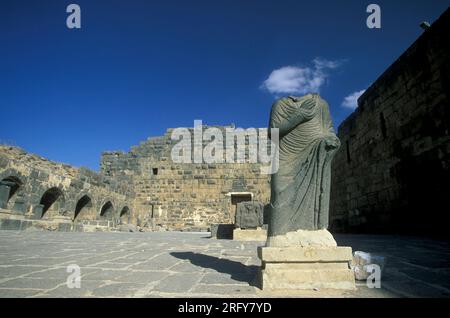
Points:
(179, 196)
(33, 188)
(392, 171)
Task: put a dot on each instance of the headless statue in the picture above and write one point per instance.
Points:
(300, 190)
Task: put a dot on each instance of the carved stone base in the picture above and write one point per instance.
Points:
(258, 234)
(303, 238)
(300, 268)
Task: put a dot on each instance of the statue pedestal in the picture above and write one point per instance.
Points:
(300, 268)
(257, 234)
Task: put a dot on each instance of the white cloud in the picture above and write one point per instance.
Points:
(299, 80)
(351, 101)
(321, 63)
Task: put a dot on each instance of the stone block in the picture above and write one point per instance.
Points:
(222, 231)
(305, 254)
(8, 224)
(38, 210)
(249, 215)
(64, 227)
(128, 228)
(298, 279)
(303, 238)
(305, 268)
(258, 234)
(12, 224)
(25, 224)
(19, 206)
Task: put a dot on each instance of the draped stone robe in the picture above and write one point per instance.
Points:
(300, 189)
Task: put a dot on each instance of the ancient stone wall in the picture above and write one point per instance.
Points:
(179, 196)
(392, 171)
(34, 188)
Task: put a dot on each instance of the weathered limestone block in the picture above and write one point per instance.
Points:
(294, 268)
(303, 238)
(257, 234)
(249, 215)
(308, 279)
(305, 254)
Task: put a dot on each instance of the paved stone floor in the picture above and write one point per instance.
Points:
(170, 264)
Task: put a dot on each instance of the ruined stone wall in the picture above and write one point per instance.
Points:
(34, 188)
(184, 196)
(392, 171)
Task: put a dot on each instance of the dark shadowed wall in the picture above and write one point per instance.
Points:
(392, 171)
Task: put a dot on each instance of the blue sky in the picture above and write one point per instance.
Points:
(138, 67)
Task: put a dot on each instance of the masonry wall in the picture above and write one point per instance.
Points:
(36, 189)
(184, 196)
(392, 171)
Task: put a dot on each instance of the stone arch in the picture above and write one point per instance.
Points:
(84, 208)
(13, 173)
(72, 205)
(125, 215)
(9, 187)
(107, 210)
(52, 202)
(12, 184)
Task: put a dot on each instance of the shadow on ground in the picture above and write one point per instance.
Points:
(237, 270)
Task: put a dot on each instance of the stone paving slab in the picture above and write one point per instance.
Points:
(174, 264)
(18, 293)
(8, 271)
(178, 283)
